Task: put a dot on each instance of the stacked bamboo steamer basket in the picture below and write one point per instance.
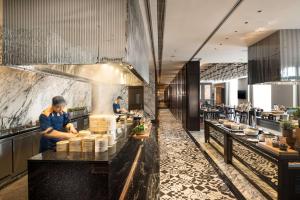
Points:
(75, 144)
(62, 146)
(98, 123)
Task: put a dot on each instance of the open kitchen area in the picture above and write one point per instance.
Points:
(77, 105)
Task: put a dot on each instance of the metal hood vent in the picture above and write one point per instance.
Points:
(275, 58)
(74, 32)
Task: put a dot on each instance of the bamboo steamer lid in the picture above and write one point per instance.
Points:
(84, 133)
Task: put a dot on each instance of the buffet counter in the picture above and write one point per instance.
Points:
(98, 175)
(20, 143)
(279, 169)
(268, 123)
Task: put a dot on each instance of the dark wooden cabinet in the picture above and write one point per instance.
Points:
(6, 157)
(36, 137)
(22, 151)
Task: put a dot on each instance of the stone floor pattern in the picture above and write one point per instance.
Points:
(184, 171)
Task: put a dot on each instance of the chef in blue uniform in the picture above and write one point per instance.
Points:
(116, 106)
(55, 124)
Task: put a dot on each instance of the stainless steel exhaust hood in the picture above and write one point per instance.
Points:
(275, 58)
(75, 32)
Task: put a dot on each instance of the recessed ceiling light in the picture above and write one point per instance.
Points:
(259, 11)
(246, 22)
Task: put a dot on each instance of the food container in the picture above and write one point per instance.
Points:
(243, 126)
(283, 147)
(101, 144)
(110, 139)
(227, 124)
(62, 146)
(88, 144)
(75, 145)
(84, 133)
(251, 131)
(221, 121)
(269, 141)
(275, 144)
(261, 137)
(235, 126)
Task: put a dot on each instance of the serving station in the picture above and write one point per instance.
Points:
(280, 169)
(110, 168)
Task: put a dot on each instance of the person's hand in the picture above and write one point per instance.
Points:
(73, 130)
(70, 135)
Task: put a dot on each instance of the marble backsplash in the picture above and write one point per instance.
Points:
(24, 94)
(149, 94)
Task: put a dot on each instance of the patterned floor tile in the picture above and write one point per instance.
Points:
(184, 171)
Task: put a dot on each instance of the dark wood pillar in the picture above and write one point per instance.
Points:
(192, 85)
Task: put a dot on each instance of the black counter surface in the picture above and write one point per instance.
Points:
(65, 175)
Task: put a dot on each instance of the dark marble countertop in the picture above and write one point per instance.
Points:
(16, 131)
(124, 141)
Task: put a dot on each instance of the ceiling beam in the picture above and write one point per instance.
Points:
(217, 28)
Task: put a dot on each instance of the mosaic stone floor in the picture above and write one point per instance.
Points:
(184, 171)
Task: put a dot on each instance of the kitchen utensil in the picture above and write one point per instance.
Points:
(251, 131)
(252, 140)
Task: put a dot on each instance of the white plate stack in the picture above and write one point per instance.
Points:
(75, 145)
(62, 146)
(101, 144)
(110, 139)
(88, 144)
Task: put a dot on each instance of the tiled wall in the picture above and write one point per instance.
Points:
(24, 94)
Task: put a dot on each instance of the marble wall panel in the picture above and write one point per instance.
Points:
(24, 94)
(149, 95)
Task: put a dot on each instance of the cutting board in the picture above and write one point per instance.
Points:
(144, 134)
(277, 150)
